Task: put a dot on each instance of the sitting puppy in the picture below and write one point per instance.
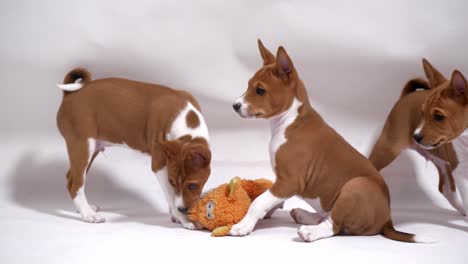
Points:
(312, 161)
(431, 118)
(164, 124)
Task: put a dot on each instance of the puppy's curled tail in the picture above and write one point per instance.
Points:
(413, 85)
(390, 232)
(75, 80)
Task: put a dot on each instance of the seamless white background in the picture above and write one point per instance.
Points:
(354, 57)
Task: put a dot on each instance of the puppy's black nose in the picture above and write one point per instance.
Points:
(182, 209)
(236, 106)
(418, 137)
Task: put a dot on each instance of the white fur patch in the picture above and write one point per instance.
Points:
(244, 109)
(171, 198)
(278, 125)
(70, 87)
(418, 129)
(460, 174)
(179, 202)
(257, 210)
(315, 232)
(88, 214)
(179, 127)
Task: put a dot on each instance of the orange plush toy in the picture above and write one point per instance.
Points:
(226, 205)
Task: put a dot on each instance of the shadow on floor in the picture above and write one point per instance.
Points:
(41, 186)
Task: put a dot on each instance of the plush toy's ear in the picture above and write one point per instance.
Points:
(232, 186)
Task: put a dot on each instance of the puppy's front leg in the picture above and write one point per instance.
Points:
(168, 190)
(257, 210)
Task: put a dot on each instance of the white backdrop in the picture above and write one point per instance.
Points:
(354, 57)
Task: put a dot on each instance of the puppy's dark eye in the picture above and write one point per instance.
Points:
(438, 117)
(192, 187)
(260, 91)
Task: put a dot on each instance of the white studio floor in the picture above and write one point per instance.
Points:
(38, 222)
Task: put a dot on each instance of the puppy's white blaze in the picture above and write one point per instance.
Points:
(179, 127)
(418, 129)
(423, 239)
(278, 125)
(179, 202)
(244, 110)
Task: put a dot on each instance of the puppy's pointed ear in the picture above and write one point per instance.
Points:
(284, 65)
(433, 75)
(458, 88)
(267, 56)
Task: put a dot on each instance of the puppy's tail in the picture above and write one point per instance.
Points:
(413, 85)
(390, 232)
(75, 80)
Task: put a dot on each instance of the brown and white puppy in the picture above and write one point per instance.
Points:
(164, 124)
(312, 161)
(431, 118)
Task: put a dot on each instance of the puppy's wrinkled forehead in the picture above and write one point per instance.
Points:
(263, 74)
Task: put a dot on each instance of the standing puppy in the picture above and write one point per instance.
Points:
(431, 118)
(313, 161)
(165, 124)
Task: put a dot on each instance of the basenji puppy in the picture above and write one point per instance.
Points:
(431, 117)
(164, 124)
(312, 161)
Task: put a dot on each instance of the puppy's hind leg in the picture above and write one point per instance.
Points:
(79, 152)
(310, 233)
(305, 217)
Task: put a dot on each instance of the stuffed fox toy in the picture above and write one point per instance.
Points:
(226, 205)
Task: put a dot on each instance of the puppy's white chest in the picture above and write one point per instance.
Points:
(276, 141)
(278, 129)
(460, 145)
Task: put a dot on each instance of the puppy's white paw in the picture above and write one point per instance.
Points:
(95, 207)
(93, 218)
(189, 225)
(307, 234)
(243, 228)
(314, 232)
(177, 217)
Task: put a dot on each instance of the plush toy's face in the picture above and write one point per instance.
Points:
(225, 205)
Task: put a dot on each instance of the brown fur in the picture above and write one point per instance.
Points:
(137, 114)
(416, 108)
(315, 161)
